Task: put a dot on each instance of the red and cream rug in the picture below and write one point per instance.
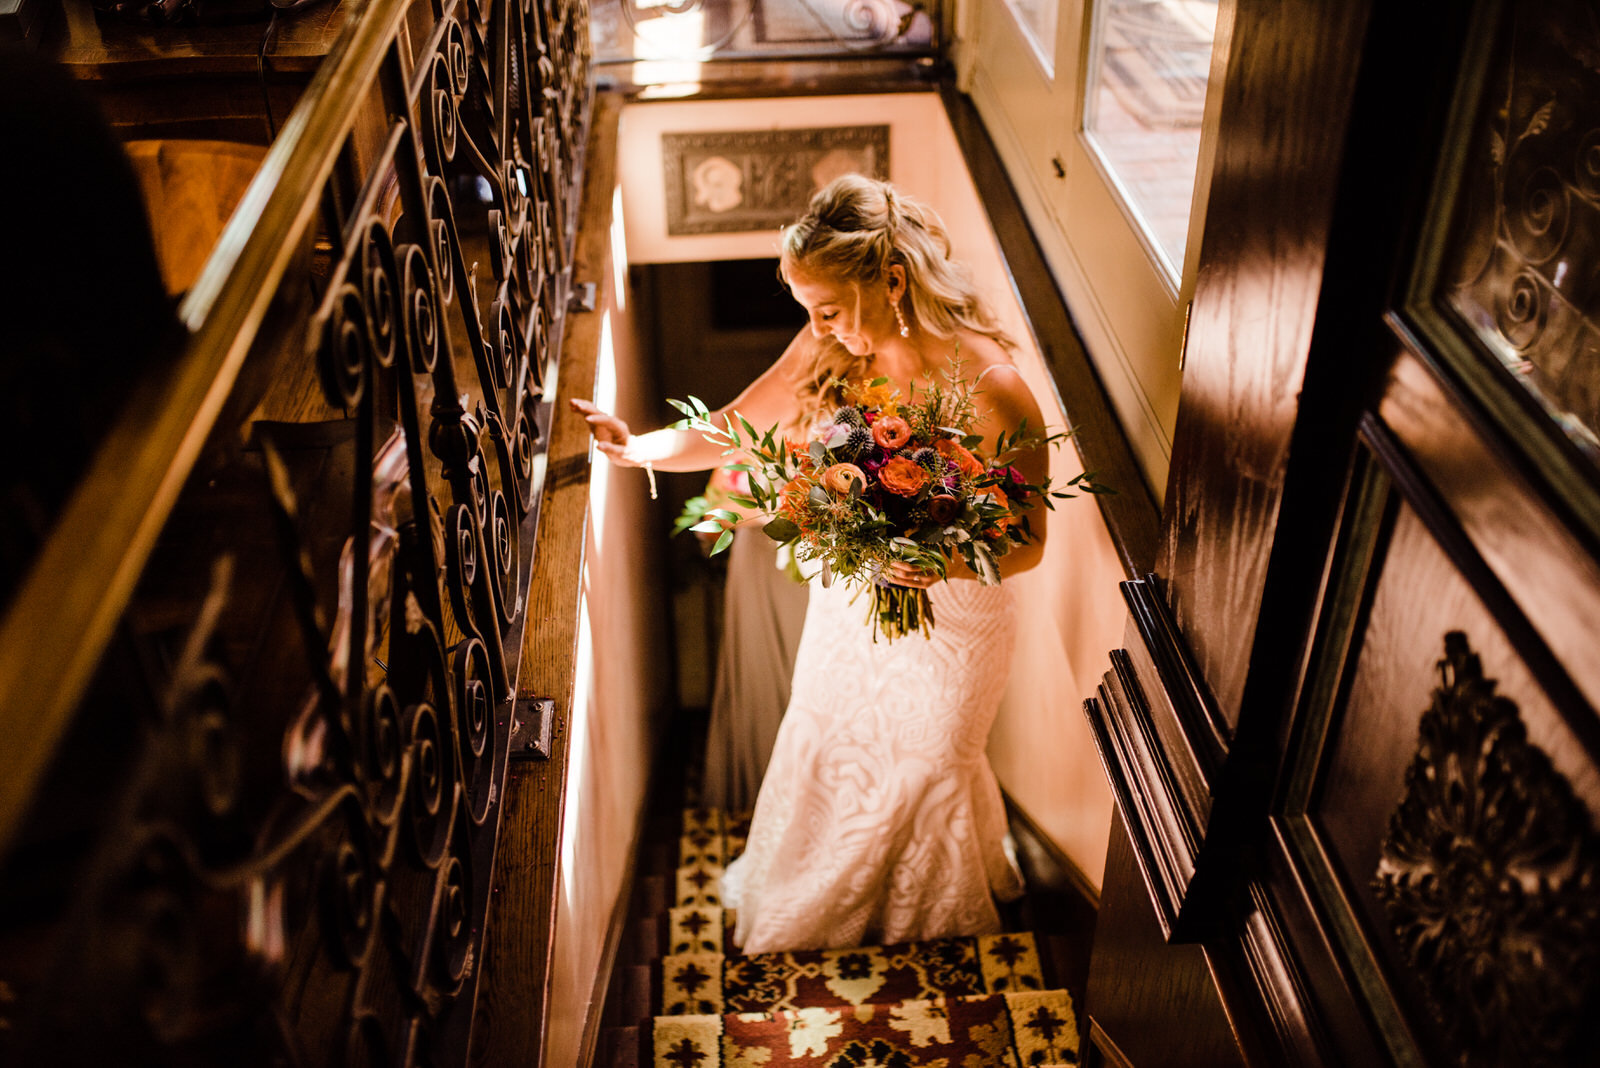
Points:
(978, 1002)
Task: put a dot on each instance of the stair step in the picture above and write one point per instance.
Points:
(698, 884)
(1031, 1028)
(702, 983)
(697, 929)
(645, 939)
(619, 1048)
(638, 988)
(653, 895)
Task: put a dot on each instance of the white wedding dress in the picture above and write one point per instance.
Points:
(879, 820)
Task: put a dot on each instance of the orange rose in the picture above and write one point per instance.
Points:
(902, 476)
(838, 479)
(958, 454)
(891, 431)
(943, 508)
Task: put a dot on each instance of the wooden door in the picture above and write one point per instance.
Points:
(1353, 732)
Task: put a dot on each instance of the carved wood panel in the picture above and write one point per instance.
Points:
(1439, 803)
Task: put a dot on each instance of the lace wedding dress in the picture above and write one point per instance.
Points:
(879, 819)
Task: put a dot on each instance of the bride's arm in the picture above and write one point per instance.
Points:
(1004, 404)
(1010, 403)
(768, 401)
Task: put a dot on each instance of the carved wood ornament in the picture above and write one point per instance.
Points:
(1490, 876)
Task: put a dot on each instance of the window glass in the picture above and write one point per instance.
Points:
(1144, 100)
(1038, 21)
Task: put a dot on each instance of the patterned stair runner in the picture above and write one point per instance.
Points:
(949, 1003)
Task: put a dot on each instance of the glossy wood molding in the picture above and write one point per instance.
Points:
(514, 989)
(1287, 97)
(1162, 749)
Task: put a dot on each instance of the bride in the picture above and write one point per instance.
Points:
(879, 819)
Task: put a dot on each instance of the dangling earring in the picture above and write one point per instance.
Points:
(900, 317)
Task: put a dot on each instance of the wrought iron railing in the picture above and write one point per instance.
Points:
(256, 689)
(668, 32)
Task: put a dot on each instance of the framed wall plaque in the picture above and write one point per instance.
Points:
(737, 181)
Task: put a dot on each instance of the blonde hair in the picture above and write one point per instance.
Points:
(853, 231)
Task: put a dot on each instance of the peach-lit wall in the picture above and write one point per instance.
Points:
(1072, 613)
(623, 688)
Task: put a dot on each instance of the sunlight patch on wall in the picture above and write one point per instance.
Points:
(578, 762)
(619, 262)
(671, 47)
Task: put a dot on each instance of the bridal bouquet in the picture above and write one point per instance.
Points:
(885, 480)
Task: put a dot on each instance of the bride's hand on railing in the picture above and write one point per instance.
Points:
(610, 433)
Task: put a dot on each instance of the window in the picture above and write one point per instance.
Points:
(1144, 99)
(1038, 21)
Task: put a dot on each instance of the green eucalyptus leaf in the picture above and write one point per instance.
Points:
(781, 530)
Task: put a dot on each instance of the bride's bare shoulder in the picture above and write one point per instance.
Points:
(988, 363)
(980, 355)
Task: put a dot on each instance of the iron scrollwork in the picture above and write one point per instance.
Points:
(1490, 877)
(270, 841)
(632, 30)
(1520, 270)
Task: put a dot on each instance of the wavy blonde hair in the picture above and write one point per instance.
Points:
(853, 231)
